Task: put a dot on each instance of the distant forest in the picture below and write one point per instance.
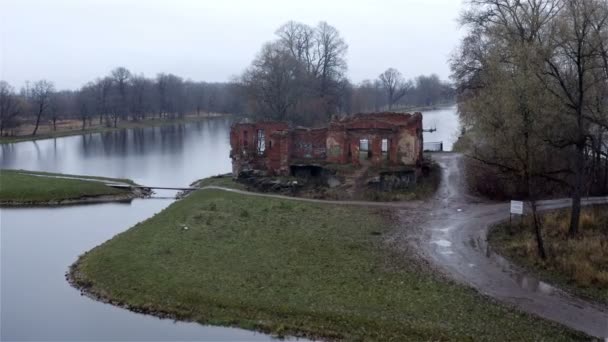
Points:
(299, 77)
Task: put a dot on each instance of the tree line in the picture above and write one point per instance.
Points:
(119, 96)
(300, 77)
(532, 87)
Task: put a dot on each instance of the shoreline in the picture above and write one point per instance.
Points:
(128, 197)
(43, 189)
(152, 122)
(86, 288)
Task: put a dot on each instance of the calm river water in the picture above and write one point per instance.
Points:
(37, 245)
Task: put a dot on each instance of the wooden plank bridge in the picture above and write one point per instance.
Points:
(127, 186)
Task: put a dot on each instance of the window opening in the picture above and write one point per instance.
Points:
(261, 141)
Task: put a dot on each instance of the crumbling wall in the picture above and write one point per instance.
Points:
(277, 150)
(309, 144)
(406, 153)
(337, 146)
(272, 147)
(252, 146)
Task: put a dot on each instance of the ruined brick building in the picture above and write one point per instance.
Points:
(382, 140)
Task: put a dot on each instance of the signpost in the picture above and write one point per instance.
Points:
(517, 208)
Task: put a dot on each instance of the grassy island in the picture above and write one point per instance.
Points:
(291, 268)
(19, 187)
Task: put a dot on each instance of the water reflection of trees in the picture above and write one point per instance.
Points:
(167, 139)
(171, 155)
(8, 155)
(132, 142)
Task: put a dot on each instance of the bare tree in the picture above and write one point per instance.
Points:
(170, 89)
(195, 94)
(271, 82)
(41, 97)
(395, 86)
(140, 94)
(102, 89)
(10, 107)
(121, 77)
(314, 60)
(428, 89)
(572, 57)
(61, 104)
(86, 102)
(299, 40)
(54, 109)
(331, 49)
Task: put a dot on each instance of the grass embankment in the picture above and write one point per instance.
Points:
(74, 127)
(579, 264)
(29, 187)
(290, 268)
(425, 188)
(225, 181)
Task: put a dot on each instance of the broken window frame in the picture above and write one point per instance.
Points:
(385, 147)
(261, 148)
(365, 153)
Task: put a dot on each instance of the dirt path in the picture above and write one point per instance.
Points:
(453, 237)
(395, 205)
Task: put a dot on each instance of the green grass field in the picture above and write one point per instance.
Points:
(291, 268)
(19, 186)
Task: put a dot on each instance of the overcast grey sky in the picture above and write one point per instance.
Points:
(71, 42)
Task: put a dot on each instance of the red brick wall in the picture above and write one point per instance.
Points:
(309, 144)
(337, 144)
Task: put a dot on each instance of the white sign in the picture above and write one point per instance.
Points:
(517, 207)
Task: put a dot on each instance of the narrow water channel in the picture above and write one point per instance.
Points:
(37, 245)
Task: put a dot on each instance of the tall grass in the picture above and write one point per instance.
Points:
(581, 262)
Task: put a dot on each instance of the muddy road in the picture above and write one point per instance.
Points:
(453, 236)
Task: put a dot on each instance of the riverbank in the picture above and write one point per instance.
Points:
(74, 127)
(291, 269)
(29, 188)
(579, 265)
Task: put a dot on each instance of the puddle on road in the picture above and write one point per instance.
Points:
(533, 284)
(442, 243)
(522, 279)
